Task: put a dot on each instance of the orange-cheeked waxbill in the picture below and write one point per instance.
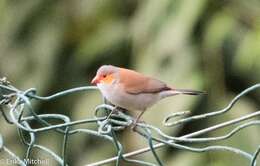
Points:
(131, 90)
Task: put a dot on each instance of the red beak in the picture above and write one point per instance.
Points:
(95, 80)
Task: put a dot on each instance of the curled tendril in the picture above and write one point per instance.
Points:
(173, 116)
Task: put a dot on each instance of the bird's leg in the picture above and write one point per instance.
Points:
(137, 120)
(112, 111)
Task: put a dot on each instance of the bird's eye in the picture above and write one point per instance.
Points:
(104, 76)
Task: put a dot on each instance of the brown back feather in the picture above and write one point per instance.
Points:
(136, 83)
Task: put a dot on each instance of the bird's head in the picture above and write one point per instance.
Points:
(106, 74)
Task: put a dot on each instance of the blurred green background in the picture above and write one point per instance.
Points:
(198, 44)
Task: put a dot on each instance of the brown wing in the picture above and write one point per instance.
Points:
(136, 83)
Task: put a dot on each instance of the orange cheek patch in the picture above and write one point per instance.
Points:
(108, 79)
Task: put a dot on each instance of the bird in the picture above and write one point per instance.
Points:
(131, 90)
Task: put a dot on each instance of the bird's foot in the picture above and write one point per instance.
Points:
(134, 124)
(133, 127)
(115, 110)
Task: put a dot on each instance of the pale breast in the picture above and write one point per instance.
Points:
(118, 97)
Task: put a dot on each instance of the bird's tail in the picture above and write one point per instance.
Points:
(173, 92)
(190, 92)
